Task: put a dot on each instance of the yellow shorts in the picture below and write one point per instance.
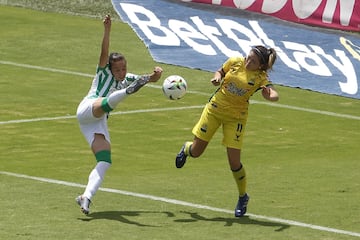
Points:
(210, 121)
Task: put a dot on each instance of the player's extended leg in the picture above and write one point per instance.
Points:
(201, 139)
(105, 105)
(193, 149)
(239, 175)
(101, 149)
(136, 85)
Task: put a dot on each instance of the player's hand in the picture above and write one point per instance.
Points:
(107, 21)
(216, 81)
(265, 90)
(269, 93)
(156, 75)
(158, 70)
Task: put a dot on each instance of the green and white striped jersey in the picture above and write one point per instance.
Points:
(104, 83)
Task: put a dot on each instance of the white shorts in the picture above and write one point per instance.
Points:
(89, 125)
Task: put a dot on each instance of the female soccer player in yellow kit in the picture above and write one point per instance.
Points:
(238, 79)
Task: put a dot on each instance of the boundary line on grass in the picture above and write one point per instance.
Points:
(157, 109)
(187, 204)
(176, 109)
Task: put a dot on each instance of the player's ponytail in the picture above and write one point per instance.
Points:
(272, 58)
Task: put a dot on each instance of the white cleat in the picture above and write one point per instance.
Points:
(136, 85)
(84, 204)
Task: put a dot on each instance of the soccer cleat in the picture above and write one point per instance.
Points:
(241, 206)
(181, 158)
(137, 84)
(84, 204)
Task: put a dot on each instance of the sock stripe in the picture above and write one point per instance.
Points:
(104, 156)
(236, 170)
(105, 105)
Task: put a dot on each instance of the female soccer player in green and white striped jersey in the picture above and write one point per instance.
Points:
(110, 86)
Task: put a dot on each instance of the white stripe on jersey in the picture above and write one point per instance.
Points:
(104, 83)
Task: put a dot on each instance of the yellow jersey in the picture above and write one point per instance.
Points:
(232, 97)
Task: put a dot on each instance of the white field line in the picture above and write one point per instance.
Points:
(156, 110)
(113, 113)
(45, 69)
(187, 204)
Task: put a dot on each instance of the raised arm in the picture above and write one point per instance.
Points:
(104, 55)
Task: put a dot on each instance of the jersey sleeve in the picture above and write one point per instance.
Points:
(227, 65)
(101, 69)
(265, 81)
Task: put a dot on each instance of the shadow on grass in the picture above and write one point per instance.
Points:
(194, 217)
(124, 217)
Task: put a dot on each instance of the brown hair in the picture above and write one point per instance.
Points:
(114, 57)
(267, 56)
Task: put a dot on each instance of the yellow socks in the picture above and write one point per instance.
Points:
(240, 179)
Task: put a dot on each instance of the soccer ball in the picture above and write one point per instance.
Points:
(174, 87)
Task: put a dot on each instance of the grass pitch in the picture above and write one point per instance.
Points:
(301, 154)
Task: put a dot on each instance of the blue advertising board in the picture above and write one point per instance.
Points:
(202, 37)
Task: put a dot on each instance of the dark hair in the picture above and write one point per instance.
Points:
(267, 56)
(114, 57)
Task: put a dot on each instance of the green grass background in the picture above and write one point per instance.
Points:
(301, 166)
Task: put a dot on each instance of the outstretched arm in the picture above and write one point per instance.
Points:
(156, 74)
(104, 55)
